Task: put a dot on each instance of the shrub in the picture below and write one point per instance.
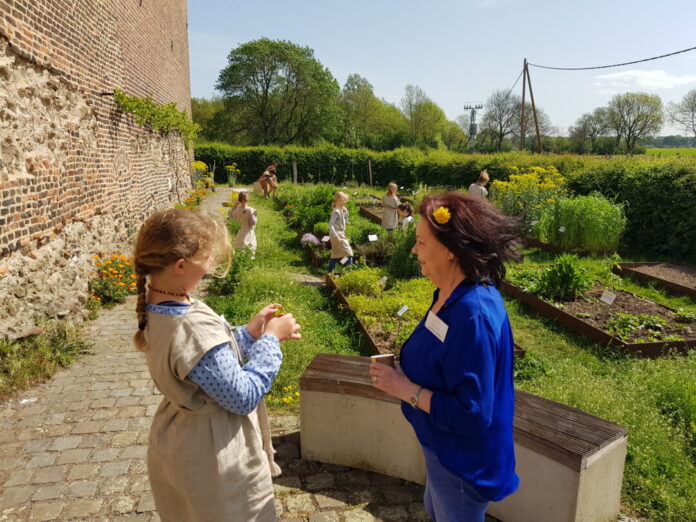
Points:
(115, 279)
(321, 229)
(527, 192)
(585, 223)
(565, 280)
(242, 262)
(310, 241)
(365, 281)
(403, 264)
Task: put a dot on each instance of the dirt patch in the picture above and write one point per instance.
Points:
(598, 314)
(681, 275)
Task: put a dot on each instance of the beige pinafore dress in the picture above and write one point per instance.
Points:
(204, 462)
(390, 218)
(340, 247)
(246, 237)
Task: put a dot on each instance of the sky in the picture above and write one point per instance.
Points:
(459, 52)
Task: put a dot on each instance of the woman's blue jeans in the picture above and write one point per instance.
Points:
(334, 260)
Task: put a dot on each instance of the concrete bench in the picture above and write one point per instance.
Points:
(570, 462)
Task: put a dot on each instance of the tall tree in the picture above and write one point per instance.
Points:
(634, 115)
(279, 93)
(502, 117)
(361, 111)
(590, 126)
(425, 118)
(683, 114)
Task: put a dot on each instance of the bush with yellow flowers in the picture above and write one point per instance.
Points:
(114, 280)
(528, 191)
(288, 396)
(232, 174)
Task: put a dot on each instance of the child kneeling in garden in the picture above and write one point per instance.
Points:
(340, 248)
(405, 211)
(209, 455)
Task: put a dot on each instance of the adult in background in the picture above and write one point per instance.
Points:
(455, 373)
(390, 202)
(269, 181)
(479, 187)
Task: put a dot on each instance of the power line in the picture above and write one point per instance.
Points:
(614, 65)
(513, 85)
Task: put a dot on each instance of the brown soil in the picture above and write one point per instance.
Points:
(682, 275)
(599, 313)
(385, 341)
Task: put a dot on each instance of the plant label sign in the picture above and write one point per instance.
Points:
(343, 260)
(608, 297)
(562, 229)
(534, 222)
(372, 237)
(383, 281)
(437, 326)
(402, 310)
(325, 238)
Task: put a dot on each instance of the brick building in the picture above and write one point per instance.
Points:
(77, 175)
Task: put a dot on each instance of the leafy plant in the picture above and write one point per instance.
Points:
(564, 280)
(242, 262)
(310, 241)
(159, 117)
(622, 325)
(365, 281)
(115, 279)
(321, 229)
(528, 368)
(403, 264)
(684, 316)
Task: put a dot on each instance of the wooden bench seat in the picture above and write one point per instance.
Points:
(570, 462)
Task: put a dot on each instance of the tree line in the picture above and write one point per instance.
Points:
(275, 92)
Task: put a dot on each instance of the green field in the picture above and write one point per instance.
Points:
(671, 152)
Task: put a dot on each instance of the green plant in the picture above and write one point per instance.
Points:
(684, 316)
(403, 264)
(591, 223)
(564, 280)
(528, 368)
(242, 261)
(321, 229)
(232, 174)
(114, 280)
(622, 325)
(365, 281)
(159, 117)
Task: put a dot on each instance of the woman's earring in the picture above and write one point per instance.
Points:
(451, 261)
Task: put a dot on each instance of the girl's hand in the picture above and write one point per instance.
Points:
(284, 327)
(257, 325)
(391, 381)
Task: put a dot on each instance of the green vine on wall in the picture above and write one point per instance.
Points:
(159, 117)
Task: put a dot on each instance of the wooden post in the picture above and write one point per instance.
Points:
(536, 121)
(369, 170)
(294, 171)
(524, 84)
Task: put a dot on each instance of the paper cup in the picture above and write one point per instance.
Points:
(385, 358)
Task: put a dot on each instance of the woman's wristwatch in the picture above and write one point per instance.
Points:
(414, 398)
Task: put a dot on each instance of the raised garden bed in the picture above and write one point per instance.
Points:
(677, 279)
(595, 314)
(530, 242)
(377, 340)
(374, 214)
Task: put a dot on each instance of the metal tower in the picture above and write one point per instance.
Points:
(473, 128)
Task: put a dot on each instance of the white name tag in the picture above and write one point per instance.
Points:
(437, 326)
(608, 297)
(343, 261)
(372, 237)
(325, 238)
(402, 310)
(383, 280)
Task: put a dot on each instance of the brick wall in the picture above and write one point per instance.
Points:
(67, 154)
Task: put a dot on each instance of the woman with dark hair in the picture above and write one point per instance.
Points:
(455, 373)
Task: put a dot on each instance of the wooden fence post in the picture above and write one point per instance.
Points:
(294, 171)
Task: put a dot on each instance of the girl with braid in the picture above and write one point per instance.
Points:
(209, 455)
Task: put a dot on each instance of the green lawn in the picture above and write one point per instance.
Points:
(671, 152)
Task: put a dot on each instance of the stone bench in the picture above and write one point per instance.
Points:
(570, 462)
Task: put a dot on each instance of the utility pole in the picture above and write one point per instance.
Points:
(524, 85)
(526, 79)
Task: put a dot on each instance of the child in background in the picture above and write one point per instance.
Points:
(405, 211)
(246, 216)
(340, 247)
(390, 202)
(479, 187)
(209, 455)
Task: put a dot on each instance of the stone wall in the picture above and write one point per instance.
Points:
(77, 176)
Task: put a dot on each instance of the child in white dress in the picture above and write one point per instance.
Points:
(247, 218)
(405, 211)
(340, 247)
(390, 202)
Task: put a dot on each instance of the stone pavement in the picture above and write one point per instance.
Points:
(73, 448)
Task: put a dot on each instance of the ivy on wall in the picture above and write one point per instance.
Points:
(158, 116)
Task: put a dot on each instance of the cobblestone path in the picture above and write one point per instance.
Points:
(73, 448)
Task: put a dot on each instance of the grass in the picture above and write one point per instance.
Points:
(325, 328)
(671, 152)
(25, 362)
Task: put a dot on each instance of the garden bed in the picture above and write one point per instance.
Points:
(530, 242)
(677, 279)
(376, 338)
(374, 214)
(594, 315)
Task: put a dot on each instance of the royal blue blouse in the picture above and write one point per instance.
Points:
(469, 426)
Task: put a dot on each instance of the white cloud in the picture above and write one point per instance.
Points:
(614, 83)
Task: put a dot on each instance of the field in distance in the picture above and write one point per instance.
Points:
(671, 152)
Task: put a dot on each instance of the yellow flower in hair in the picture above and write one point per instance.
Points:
(442, 215)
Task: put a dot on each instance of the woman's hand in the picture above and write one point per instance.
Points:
(257, 324)
(284, 327)
(392, 381)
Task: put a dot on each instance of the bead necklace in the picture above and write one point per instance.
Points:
(168, 293)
